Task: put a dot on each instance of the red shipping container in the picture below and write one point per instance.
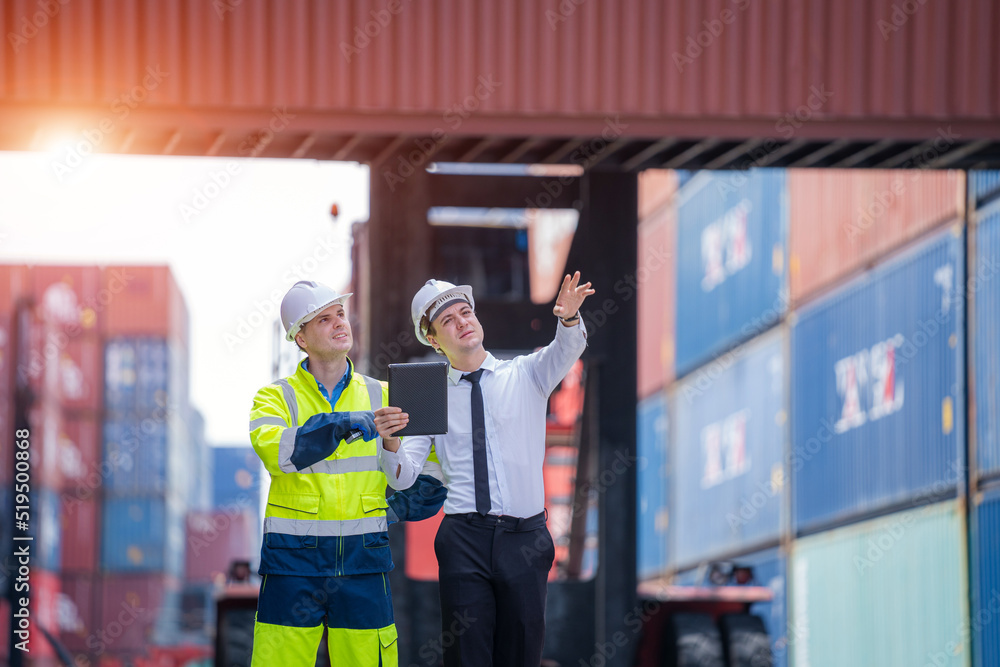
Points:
(6, 439)
(81, 374)
(80, 612)
(213, 540)
(8, 355)
(144, 301)
(45, 421)
(44, 608)
(81, 529)
(80, 455)
(656, 281)
(15, 282)
(841, 220)
(69, 297)
(656, 188)
(130, 606)
(421, 561)
(4, 630)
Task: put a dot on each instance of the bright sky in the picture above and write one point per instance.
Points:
(265, 228)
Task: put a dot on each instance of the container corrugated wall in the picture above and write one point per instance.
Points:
(893, 591)
(728, 443)
(841, 220)
(878, 388)
(985, 545)
(640, 57)
(655, 278)
(984, 184)
(142, 535)
(653, 487)
(984, 288)
(236, 477)
(731, 261)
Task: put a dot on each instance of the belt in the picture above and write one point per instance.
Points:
(503, 521)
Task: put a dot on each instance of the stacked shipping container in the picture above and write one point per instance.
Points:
(984, 399)
(87, 532)
(866, 378)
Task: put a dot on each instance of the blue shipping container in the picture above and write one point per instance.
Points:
(728, 444)
(45, 527)
(984, 275)
(731, 261)
(770, 570)
(878, 388)
(142, 535)
(140, 374)
(236, 477)
(984, 185)
(985, 586)
(135, 456)
(652, 483)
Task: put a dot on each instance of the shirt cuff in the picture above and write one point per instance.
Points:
(389, 461)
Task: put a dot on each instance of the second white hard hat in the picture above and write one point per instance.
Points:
(432, 298)
(304, 301)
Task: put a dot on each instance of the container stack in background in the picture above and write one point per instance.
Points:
(817, 422)
(103, 352)
(984, 411)
(226, 530)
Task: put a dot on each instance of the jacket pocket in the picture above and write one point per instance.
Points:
(296, 527)
(375, 504)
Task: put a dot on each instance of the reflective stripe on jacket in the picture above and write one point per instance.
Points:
(329, 518)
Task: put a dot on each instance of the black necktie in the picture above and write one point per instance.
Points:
(479, 444)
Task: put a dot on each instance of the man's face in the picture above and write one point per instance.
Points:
(456, 330)
(328, 335)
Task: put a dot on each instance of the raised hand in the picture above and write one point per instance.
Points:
(571, 296)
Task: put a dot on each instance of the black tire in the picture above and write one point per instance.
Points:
(745, 641)
(692, 641)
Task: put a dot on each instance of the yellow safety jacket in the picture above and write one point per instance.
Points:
(328, 519)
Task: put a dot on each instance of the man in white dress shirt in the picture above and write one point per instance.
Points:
(494, 550)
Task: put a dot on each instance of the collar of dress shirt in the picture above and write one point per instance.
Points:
(455, 375)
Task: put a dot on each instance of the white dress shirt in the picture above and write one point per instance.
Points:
(515, 395)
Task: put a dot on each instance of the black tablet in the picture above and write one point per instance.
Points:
(421, 390)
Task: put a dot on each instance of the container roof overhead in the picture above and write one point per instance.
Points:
(684, 84)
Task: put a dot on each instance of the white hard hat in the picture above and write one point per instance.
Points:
(432, 298)
(304, 301)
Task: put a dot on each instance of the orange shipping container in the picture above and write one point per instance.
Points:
(843, 220)
(144, 301)
(656, 281)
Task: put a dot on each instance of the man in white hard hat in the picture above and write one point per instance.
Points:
(494, 550)
(325, 552)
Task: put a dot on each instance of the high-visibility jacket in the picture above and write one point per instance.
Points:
(328, 519)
